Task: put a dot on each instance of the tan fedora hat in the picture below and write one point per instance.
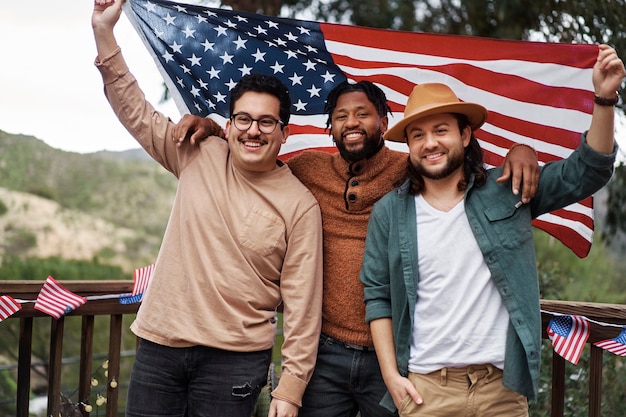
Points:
(434, 98)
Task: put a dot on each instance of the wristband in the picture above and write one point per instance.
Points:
(602, 101)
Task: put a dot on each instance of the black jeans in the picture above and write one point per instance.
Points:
(346, 381)
(195, 381)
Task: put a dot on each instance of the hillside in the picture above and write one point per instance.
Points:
(112, 206)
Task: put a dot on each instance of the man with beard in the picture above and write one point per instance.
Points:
(449, 268)
(347, 378)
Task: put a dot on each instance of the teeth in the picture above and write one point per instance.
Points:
(353, 135)
(433, 156)
(252, 144)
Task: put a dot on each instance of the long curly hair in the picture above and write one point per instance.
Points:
(472, 165)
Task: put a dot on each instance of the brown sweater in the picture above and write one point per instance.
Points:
(346, 194)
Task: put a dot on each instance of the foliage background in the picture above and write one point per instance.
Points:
(130, 192)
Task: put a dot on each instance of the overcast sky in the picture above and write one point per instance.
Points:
(49, 87)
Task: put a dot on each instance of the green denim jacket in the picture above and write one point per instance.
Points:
(504, 234)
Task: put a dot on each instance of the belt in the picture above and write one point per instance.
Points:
(347, 345)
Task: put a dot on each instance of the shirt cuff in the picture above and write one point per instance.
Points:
(112, 67)
(290, 389)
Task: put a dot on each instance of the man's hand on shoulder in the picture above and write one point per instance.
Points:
(522, 168)
(196, 129)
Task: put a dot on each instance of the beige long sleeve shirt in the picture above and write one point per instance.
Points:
(237, 244)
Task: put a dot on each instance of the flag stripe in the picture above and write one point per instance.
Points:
(55, 300)
(568, 335)
(8, 306)
(141, 277)
(463, 47)
(539, 94)
(616, 345)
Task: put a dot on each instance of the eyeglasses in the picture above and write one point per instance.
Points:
(266, 124)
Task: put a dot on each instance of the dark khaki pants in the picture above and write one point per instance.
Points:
(474, 391)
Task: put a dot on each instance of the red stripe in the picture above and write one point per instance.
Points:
(295, 129)
(542, 133)
(579, 245)
(285, 157)
(460, 47)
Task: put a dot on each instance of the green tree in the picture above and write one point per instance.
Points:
(616, 205)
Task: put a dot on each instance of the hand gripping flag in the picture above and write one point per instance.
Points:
(617, 345)
(568, 335)
(8, 306)
(56, 301)
(539, 94)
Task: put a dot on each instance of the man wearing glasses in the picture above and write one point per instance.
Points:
(244, 236)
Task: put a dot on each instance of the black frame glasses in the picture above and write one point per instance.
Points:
(266, 124)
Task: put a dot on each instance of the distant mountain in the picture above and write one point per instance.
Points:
(130, 154)
(109, 205)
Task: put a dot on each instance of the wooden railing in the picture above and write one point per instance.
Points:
(28, 290)
(597, 312)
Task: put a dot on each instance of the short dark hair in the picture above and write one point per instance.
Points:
(260, 83)
(371, 90)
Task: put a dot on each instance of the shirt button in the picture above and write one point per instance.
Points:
(352, 197)
(354, 183)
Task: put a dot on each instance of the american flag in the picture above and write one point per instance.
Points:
(55, 300)
(539, 94)
(141, 278)
(8, 306)
(617, 345)
(568, 335)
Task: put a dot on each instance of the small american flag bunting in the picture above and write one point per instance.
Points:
(8, 306)
(616, 345)
(141, 277)
(57, 301)
(568, 335)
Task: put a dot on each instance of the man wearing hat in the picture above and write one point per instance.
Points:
(455, 315)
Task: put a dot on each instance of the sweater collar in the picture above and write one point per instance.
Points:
(370, 167)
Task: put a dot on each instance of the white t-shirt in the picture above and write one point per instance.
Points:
(460, 319)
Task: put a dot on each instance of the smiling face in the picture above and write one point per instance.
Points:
(437, 146)
(356, 126)
(251, 149)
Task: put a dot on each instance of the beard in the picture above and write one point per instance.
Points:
(371, 145)
(455, 161)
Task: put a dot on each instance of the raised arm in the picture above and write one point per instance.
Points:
(105, 15)
(608, 73)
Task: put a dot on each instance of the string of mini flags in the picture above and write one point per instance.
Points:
(57, 301)
(568, 333)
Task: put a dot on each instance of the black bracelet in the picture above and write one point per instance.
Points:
(606, 101)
